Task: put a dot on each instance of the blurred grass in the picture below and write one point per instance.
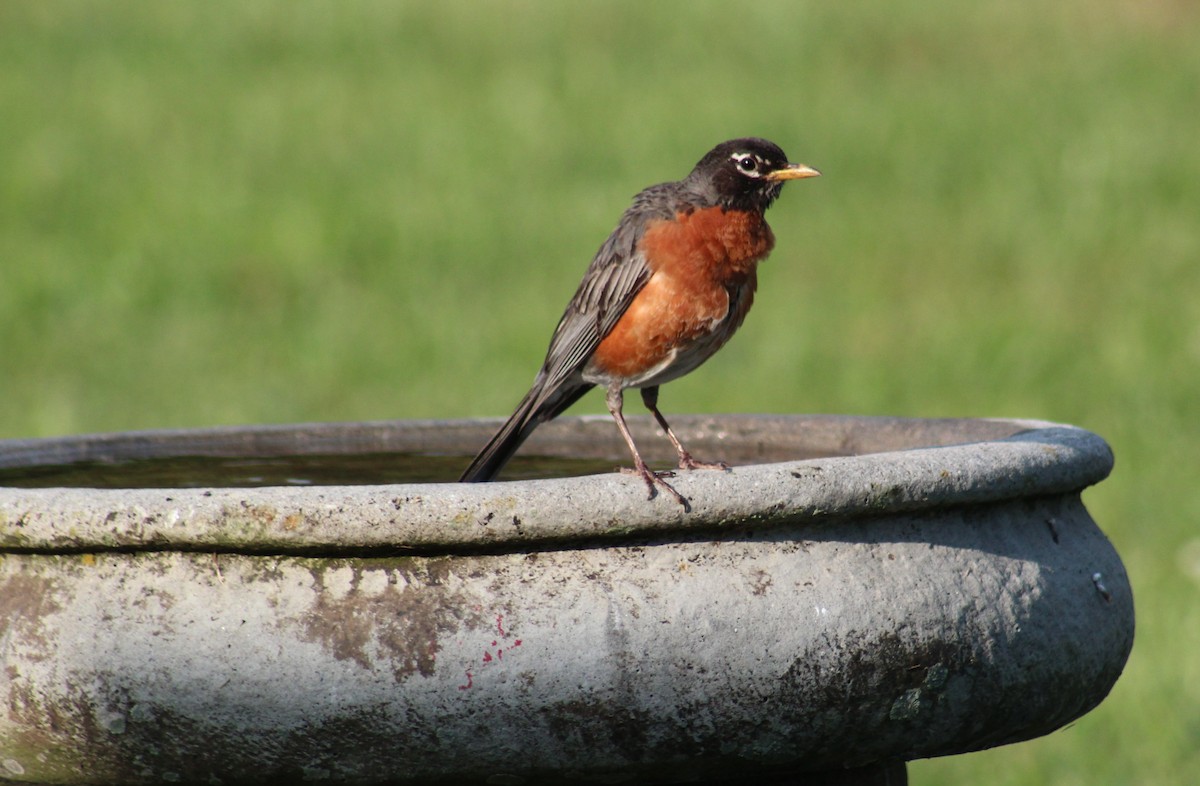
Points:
(263, 211)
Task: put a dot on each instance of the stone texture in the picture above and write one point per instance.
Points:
(803, 616)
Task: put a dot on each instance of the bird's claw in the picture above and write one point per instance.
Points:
(655, 480)
(687, 462)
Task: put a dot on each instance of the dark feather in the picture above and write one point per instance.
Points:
(615, 276)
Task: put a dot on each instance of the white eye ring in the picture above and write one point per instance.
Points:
(747, 163)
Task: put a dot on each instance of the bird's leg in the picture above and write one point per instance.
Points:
(650, 399)
(615, 399)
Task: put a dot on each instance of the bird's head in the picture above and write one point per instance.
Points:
(744, 174)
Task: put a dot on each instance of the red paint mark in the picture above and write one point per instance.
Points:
(470, 682)
(495, 651)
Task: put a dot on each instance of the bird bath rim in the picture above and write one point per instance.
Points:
(866, 465)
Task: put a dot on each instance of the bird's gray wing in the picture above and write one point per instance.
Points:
(617, 273)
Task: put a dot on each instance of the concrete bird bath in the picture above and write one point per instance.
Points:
(856, 593)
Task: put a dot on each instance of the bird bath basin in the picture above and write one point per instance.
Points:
(855, 593)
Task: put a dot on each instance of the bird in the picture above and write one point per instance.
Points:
(665, 291)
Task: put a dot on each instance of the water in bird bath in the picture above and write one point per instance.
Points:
(295, 470)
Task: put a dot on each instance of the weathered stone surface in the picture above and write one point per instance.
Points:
(803, 615)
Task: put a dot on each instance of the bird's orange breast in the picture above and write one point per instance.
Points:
(701, 285)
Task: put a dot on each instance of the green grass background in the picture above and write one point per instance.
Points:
(252, 212)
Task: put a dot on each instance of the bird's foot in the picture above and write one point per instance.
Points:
(655, 480)
(687, 462)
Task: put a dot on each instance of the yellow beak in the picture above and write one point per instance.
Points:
(793, 172)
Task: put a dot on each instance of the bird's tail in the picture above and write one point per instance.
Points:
(536, 408)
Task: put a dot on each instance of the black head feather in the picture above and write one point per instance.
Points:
(734, 174)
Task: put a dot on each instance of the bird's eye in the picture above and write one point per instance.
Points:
(747, 163)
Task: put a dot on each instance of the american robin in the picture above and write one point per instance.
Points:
(666, 290)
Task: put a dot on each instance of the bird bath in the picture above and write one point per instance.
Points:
(855, 593)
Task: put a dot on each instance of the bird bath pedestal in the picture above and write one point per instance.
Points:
(855, 593)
